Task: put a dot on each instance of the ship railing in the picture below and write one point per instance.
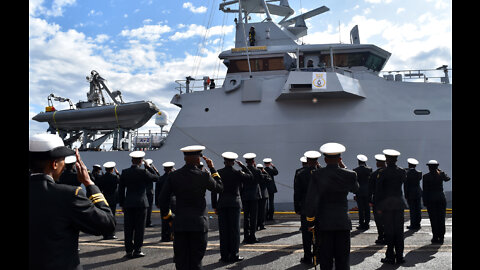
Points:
(190, 84)
(439, 75)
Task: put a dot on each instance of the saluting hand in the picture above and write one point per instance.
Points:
(82, 172)
(208, 161)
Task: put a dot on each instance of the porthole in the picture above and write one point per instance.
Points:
(421, 112)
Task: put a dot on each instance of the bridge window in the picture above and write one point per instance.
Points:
(256, 64)
(348, 60)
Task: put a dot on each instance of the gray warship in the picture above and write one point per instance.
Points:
(281, 98)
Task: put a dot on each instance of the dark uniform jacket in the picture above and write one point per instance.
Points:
(327, 197)
(412, 184)
(232, 180)
(136, 181)
(69, 177)
(251, 189)
(263, 184)
(363, 176)
(272, 171)
(108, 184)
(189, 185)
(388, 192)
(56, 215)
(372, 184)
(433, 187)
(300, 187)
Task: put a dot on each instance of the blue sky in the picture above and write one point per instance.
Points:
(141, 47)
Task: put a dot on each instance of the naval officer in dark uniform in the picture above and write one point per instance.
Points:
(229, 205)
(271, 186)
(389, 201)
(300, 189)
(413, 194)
(372, 182)
(132, 197)
(262, 202)
(57, 213)
(69, 175)
(167, 234)
(150, 192)
(190, 224)
(434, 199)
(250, 195)
(363, 175)
(327, 208)
(108, 184)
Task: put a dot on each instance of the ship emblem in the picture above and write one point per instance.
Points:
(319, 80)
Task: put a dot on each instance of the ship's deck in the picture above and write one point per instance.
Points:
(280, 247)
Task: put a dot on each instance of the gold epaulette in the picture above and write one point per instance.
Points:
(98, 197)
(310, 219)
(215, 174)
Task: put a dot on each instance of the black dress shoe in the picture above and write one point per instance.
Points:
(237, 259)
(306, 260)
(388, 260)
(128, 255)
(399, 260)
(138, 254)
(223, 260)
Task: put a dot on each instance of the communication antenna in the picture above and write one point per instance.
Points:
(339, 32)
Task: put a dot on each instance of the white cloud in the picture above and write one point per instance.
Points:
(57, 8)
(200, 9)
(200, 30)
(400, 10)
(148, 32)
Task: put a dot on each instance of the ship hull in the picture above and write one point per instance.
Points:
(130, 115)
(284, 130)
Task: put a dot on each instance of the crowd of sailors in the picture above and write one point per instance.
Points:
(59, 207)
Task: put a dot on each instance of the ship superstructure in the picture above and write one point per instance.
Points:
(281, 98)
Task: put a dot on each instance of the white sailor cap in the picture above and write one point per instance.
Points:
(193, 150)
(229, 155)
(249, 156)
(45, 146)
(168, 164)
(148, 161)
(109, 164)
(362, 157)
(97, 166)
(391, 152)
(432, 162)
(312, 154)
(267, 160)
(380, 157)
(259, 165)
(332, 149)
(412, 161)
(201, 163)
(303, 159)
(137, 154)
(70, 159)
